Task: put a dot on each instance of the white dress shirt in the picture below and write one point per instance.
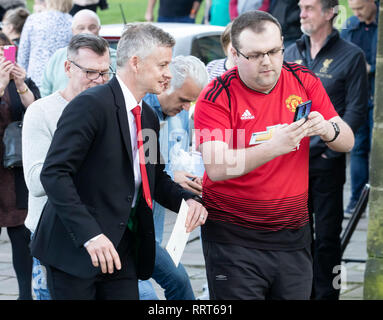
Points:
(131, 103)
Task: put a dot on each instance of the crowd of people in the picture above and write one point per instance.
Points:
(107, 146)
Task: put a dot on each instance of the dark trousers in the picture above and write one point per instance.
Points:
(120, 285)
(359, 158)
(22, 259)
(239, 273)
(326, 215)
(76, 8)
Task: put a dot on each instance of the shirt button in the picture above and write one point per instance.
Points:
(121, 225)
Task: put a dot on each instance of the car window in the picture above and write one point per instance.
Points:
(207, 48)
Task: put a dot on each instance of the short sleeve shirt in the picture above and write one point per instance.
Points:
(273, 197)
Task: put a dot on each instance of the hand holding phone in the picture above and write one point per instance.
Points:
(10, 53)
(302, 110)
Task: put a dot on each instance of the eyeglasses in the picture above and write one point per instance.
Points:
(92, 74)
(258, 56)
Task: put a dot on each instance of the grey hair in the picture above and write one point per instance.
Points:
(183, 67)
(83, 40)
(85, 12)
(330, 5)
(140, 39)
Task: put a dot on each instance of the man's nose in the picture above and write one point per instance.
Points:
(100, 80)
(167, 74)
(265, 59)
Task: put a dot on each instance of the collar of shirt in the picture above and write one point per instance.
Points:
(152, 100)
(130, 100)
(305, 45)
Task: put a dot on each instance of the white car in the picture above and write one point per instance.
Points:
(200, 40)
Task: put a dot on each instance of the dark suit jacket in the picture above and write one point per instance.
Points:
(88, 177)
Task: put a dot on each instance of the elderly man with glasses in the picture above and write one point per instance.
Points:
(91, 69)
(54, 77)
(256, 239)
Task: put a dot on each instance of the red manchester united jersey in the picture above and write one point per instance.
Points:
(273, 196)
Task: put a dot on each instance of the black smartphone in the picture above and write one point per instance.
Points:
(302, 110)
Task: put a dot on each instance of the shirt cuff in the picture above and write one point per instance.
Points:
(93, 239)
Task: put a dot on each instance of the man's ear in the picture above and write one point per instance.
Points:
(67, 65)
(329, 14)
(134, 63)
(233, 52)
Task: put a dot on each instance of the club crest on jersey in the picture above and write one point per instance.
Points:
(247, 115)
(292, 102)
(326, 65)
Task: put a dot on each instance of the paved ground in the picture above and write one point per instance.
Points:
(352, 288)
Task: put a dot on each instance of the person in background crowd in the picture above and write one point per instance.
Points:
(217, 12)
(103, 227)
(237, 7)
(16, 93)
(10, 4)
(341, 67)
(217, 67)
(88, 4)
(42, 35)
(189, 77)
(362, 30)
(39, 6)
(173, 10)
(256, 241)
(13, 23)
(89, 52)
(287, 13)
(54, 76)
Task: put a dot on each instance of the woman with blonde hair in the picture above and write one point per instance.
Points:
(43, 33)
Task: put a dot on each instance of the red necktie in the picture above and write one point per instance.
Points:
(145, 183)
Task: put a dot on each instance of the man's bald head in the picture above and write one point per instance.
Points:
(86, 21)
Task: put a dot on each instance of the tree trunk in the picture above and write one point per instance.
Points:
(373, 277)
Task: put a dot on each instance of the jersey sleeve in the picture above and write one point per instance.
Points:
(212, 120)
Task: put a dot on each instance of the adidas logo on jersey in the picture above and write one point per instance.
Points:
(247, 115)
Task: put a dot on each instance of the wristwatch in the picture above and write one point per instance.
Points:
(337, 131)
(198, 199)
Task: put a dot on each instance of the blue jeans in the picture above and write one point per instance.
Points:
(359, 158)
(39, 280)
(174, 280)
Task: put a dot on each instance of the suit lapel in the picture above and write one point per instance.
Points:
(122, 117)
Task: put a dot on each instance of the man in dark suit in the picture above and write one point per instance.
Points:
(96, 235)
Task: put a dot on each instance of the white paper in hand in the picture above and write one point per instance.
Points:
(179, 236)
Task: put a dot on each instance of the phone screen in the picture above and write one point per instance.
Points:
(303, 110)
(10, 53)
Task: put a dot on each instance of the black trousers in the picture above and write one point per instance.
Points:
(239, 273)
(120, 285)
(22, 260)
(326, 216)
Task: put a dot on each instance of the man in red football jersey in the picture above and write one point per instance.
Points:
(257, 237)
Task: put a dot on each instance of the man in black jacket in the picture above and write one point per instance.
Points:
(287, 13)
(96, 234)
(342, 69)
